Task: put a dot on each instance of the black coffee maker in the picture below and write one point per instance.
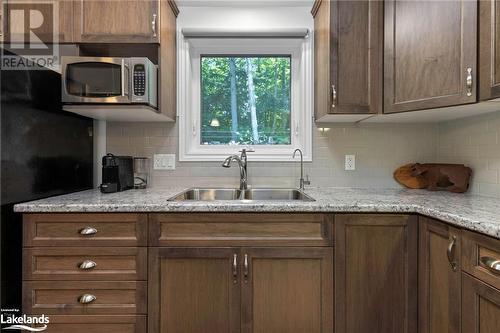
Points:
(117, 173)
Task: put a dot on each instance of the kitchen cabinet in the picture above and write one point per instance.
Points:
(130, 21)
(241, 290)
(439, 277)
(489, 49)
(376, 273)
(480, 306)
(63, 9)
(348, 42)
(429, 54)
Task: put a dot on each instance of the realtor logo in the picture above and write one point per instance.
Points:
(11, 320)
(31, 39)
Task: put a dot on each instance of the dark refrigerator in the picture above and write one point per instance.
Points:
(45, 152)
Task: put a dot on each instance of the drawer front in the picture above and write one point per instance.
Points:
(96, 324)
(240, 229)
(85, 263)
(481, 257)
(64, 297)
(85, 230)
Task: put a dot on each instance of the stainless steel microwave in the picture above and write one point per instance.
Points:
(101, 80)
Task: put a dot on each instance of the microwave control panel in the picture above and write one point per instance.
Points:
(139, 80)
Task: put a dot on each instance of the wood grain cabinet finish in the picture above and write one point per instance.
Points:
(376, 273)
(430, 54)
(489, 49)
(107, 229)
(287, 290)
(130, 21)
(97, 324)
(240, 229)
(63, 297)
(194, 290)
(63, 9)
(348, 41)
(85, 263)
(480, 306)
(439, 277)
(480, 255)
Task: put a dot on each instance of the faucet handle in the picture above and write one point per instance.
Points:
(307, 181)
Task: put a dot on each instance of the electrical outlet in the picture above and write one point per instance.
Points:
(350, 162)
(164, 162)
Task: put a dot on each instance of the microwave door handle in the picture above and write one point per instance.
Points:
(125, 85)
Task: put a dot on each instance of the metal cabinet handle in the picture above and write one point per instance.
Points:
(87, 298)
(87, 264)
(153, 25)
(492, 264)
(87, 231)
(334, 96)
(468, 81)
(451, 253)
(235, 268)
(245, 266)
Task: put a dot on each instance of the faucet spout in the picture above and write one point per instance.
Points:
(243, 169)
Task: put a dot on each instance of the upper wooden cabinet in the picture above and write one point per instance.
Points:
(348, 57)
(489, 49)
(376, 273)
(439, 277)
(127, 21)
(430, 54)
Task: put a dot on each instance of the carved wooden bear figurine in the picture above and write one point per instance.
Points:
(449, 177)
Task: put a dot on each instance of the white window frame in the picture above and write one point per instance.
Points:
(189, 95)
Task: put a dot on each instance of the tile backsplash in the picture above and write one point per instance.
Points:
(474, 142)
(379, 149)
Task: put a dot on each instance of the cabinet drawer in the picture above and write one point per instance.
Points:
(481, 257)
(63, 297)
(240, 229)
(96, 324)
(86, 263)
(85, 230)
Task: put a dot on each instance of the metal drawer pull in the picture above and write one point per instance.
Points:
(468, 81)
(87, 264)
(451, 253)
(235, 268)
(87, 298)
(492, 264)
(246, 270)
(87, 231)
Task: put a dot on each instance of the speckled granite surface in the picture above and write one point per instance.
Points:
(476, 213)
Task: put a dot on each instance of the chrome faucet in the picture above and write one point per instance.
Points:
(302, 181)
(242, 163)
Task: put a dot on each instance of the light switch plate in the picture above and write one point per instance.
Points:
(350, 162)
(164, 162)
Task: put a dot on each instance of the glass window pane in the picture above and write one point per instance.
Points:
(245, 100)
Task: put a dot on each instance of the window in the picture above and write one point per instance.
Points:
(245, 100)
(254, 94)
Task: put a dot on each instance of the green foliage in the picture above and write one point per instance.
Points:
(271, 79)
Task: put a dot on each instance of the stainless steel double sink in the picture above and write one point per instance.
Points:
(263, 194)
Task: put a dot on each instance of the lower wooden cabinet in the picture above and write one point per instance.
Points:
(194, 290)
(96, 324)
(375, 273)
(480, 306)
(439, 277)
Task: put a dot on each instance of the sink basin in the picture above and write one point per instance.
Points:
(266, 194)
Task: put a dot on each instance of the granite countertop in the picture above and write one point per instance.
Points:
(472, 212)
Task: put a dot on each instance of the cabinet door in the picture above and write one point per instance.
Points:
(194, 290)
(59, 10)
(439, 277)
(287, 290)
(116, 21)
(489, 49)
(376, 273)
(430, 54)
(480, 306)
(348, 51)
